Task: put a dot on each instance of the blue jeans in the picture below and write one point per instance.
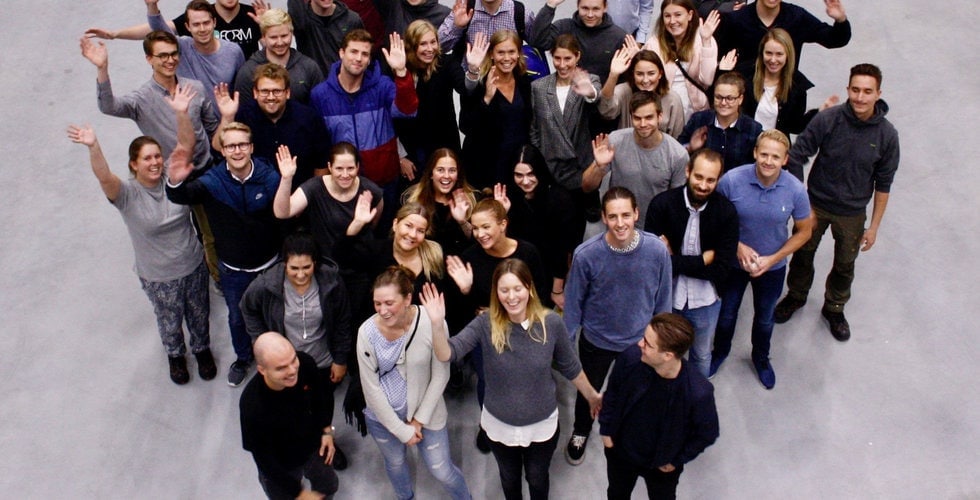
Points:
(704, 320)
(233, 285)
(434, 449)
(766, 290)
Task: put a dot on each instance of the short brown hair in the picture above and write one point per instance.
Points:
(272, 71)
(674, 333)
(356, 35)
(158, 36)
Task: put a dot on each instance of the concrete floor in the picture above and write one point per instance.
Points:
(89, 413)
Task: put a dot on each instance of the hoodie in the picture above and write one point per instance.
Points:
(854, 159)
(599, 43)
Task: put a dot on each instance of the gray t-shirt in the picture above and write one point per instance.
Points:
(646, 172)
(163, 238)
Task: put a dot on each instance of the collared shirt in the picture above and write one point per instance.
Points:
(735, 143)
(763, 211)
(148, 107)
(483, 22)
(633, 16)
(688, 291)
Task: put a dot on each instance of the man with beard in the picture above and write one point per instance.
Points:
(277, 119)
(237, 196)
(277, 37)
(700, 228)
(641, 158)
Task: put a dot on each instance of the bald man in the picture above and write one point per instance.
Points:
(285, 423)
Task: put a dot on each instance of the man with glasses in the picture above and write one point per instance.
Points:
(658, 412)
(277, 38)
(724, 129)
(237, 196)
(641, 158)
(277, 119)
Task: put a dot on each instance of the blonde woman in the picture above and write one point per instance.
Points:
(521, 341)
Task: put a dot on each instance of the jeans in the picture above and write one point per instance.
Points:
(434, 449)
(322, 478)
(535, 460)
(595, 363)
(183, 300)
(704, 320)
(765, 293)
(847, 232)
(233, 285)
(622, 476)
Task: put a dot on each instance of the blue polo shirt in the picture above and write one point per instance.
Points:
(763, 212)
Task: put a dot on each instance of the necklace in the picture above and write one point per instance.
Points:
(628, 248)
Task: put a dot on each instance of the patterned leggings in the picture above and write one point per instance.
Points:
(182, 300)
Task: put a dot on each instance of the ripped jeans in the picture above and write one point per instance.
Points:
(434, 449)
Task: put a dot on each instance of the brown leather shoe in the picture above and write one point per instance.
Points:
(785, 309)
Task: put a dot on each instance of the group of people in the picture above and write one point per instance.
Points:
(326, 191)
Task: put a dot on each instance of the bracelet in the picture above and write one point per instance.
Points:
(557, 293)
(328, 431)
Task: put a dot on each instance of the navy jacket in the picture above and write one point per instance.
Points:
(734, 143)
(691, 423)
(668, 216)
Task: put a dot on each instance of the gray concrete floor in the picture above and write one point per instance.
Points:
(88, 411)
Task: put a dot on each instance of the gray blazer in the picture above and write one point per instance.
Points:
(563, 138)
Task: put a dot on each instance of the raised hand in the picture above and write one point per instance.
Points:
(461, 273)
(363, 213)
(287, 162)
(710, 24)
(461, 16)
(728, 62)
(500, 194)
(434, 303)
(602, 151)
(459, 205)
(476, 52)
(491, 85)
(179, 165)
(833, 100)
(180, 102)
(100, 33)
(82, 135)
(699, 138)
(630, 44)
(227, 102)
(260, 6)
(836, 10)
(396, 54)
(96, 53)
(582, 84)
(621, 60)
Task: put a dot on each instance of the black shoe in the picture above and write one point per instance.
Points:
(339, 459)
(205, 365)
(575, 451)
(839, 327)
(716, 361)
(483, 441)
(786, 307)
(237, 372)
(178, 370)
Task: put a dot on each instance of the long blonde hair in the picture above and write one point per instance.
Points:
(500, 324)
(430, 252)
(781, 37)
(413, 36)
(497, 38)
